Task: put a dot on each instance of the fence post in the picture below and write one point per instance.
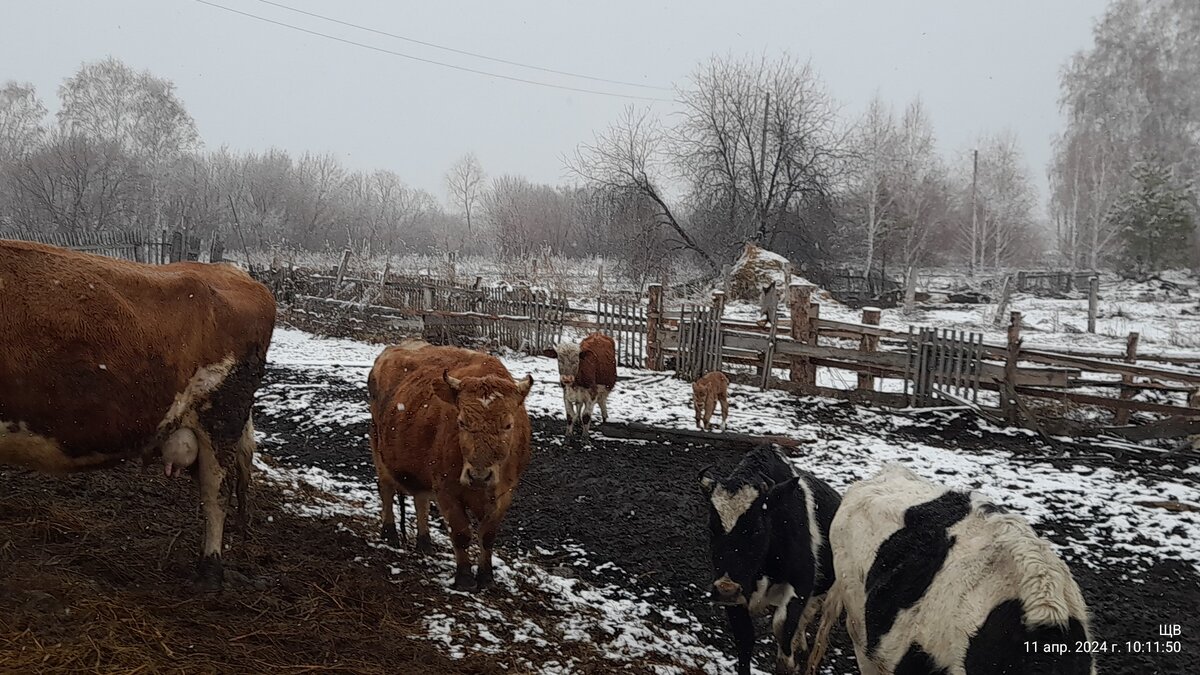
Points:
(799, 305)
(869, 343)
(1131, 346)
(1005, 293)
(1093, 302)
(478, 282)
(1008, 389)
(1020, 282)
(177, 242)
(654, 351)
(341, 270)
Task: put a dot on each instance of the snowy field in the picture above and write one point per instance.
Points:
(1091, 513)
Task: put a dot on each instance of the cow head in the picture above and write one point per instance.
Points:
(488, 408)
(739, 533)
(568, 356)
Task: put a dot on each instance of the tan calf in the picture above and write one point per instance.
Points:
(706, 392)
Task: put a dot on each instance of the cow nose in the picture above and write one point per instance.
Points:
(725, 591)
(480, 476)
(568, 379)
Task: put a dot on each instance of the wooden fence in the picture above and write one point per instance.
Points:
(932, 367)
(141, 247)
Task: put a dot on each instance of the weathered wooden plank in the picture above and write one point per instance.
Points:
(1110, 403)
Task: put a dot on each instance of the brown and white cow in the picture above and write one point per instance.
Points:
(105, 360)
(448, 424)
(588, 374)
(707, 391)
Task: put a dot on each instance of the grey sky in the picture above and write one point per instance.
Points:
(979, 65)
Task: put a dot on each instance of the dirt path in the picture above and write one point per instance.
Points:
(629, 513)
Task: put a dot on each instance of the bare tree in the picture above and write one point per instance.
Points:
(464, 182)
(21, 117)
(921, 188)
(760, 138)
(108, 100)
(874, 167)
(629, 157)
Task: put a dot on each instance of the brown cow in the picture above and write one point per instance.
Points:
(706, 392)
(450, 424)
(588, 373)
(105, 360)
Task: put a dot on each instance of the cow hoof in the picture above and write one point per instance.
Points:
(389, 535)
(210, 574)
(424, 544)
(463, 581)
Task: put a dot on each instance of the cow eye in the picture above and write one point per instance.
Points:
(462, 424)
(508, 427)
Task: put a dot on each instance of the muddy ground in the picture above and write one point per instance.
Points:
(636, 507)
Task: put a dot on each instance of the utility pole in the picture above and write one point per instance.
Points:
(974, 215)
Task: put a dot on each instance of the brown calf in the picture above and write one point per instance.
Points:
(448, 424)
(105, 360)
(706, 392)
(588, 373)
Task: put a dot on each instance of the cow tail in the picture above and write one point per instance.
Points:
(243, 461)
(831, 613)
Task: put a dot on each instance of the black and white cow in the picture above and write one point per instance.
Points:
(940, 582)
(769, 528)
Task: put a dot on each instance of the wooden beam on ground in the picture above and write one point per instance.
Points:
(1171, 427)
(1110, 403)
(646, 432)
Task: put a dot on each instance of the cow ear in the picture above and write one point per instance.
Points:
(782, 490)
(550, 352)
(524, 386)
(448, 388)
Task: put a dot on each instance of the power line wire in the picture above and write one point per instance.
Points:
(461, 51)
(430, 61)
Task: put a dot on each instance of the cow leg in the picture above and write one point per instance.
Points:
(710, 404)
(586, 406)
(569, 405)
(211, 475)
(387, 496)
(789, 624)
(489, 525)
(602, 399)
(243, 461)
(724, 410)
(460, 536)
(424, 542)
(742, 628)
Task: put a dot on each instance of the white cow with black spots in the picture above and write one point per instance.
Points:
(938, 581)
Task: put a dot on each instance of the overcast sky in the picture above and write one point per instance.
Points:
(979, 65)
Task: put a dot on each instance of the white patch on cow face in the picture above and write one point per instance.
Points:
(400, 407)
(485, 401)
(205, 381)
(731, 505)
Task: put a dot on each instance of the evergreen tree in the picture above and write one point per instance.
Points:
(1154, 219)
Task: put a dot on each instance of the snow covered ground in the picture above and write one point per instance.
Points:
(1098, 505)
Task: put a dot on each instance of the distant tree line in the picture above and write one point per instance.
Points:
(758, 151)
(1124, 167)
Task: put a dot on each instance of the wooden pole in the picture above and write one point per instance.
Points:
(1008, 394)
(1002, 305)
(341, 270)
(654, 313)
(869, 343)
(799, 300)
(1131, 346)
(1093, 302)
